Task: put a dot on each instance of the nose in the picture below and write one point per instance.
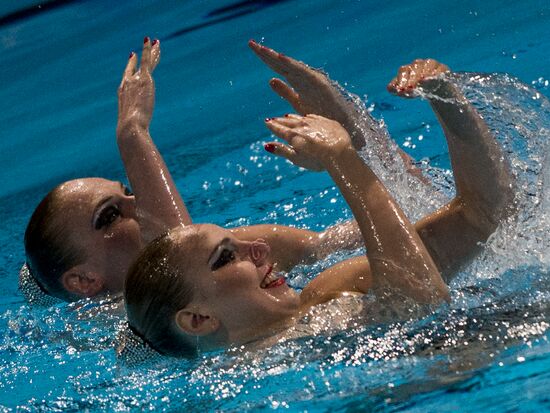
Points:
(259, 251)
(128, 206)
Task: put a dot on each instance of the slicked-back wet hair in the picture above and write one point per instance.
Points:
(48, 248)
(154, 291)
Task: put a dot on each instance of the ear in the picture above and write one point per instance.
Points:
(196, 322)
(82, 283)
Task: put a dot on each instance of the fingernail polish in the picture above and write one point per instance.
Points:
(269, 147)
(131, 55)
(155, 42)
(286, 115)
(146, 39)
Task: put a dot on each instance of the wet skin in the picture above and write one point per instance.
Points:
(102, 216)
(235, 283)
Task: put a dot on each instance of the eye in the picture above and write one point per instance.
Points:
(107, 216)
(226, 256)
(128, 191)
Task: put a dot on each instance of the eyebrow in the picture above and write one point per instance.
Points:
(98, 208)
(217, 248)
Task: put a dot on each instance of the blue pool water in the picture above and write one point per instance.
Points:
(61, 64)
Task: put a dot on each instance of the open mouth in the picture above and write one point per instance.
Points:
(271, 280)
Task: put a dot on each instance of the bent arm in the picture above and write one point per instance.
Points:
(396, 254)
(484, 182)
(483, 178)
(158, 202)
(293, 246)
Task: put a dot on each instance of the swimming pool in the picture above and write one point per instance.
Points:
(60, 71)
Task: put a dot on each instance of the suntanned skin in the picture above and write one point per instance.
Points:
(451, 234)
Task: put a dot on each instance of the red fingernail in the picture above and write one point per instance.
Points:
(146, 39)
(269, 147)
(155, 42)
(286, 115)
(268, 119)
(131, 55)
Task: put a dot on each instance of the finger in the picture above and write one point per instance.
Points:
(427, 68)
(287, 93)
(146, 55)
(282, 150)
(280, 130)
(290, 120)
(317, 117)
(130, 66)
(404, 75)
(280, 63)
(392, 86)
(155, 54)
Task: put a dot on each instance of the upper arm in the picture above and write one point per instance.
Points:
(451, 237)
(352, 275)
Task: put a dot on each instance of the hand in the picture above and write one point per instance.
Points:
(310, 90)
(422, 73)
(136, 93)
(313, 140)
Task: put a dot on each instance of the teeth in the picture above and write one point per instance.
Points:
(268, 279)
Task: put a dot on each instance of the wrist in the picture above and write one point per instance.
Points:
(129, 127)
(339, 157)
(439, 88)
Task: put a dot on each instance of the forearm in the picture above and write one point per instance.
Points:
(158, 201)
(395, 251)
(484, 183)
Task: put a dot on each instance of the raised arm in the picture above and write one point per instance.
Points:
(310, 91)
(484, 183)
(396, 254)
(158, 202)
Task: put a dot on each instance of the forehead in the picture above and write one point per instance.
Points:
(78, 199)
(88, 187)
(198, 241)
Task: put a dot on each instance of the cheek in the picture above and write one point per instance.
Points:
(124, 236)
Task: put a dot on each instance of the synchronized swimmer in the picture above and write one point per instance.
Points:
(231, 289)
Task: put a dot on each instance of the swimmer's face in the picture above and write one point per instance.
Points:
(102, 217)
(235, 282)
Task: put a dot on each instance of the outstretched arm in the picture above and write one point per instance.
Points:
(484, 183)
(396, 254)
(158, 202)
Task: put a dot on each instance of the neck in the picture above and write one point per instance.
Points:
(247, 336)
